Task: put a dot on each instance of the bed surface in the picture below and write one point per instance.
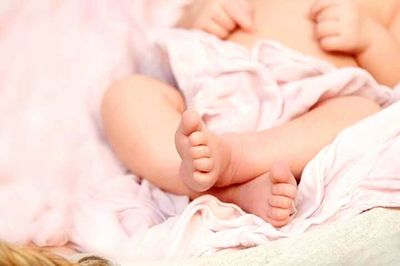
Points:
(372, 238)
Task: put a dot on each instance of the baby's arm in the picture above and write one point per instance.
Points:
(382, 57)
(218, 17)
(342, 26)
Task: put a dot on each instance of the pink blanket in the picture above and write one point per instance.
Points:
(240, 90)
(60, 181)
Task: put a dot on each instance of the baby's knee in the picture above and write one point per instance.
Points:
(139, 90)
(120, 93)
(132, 89)
(128, 85)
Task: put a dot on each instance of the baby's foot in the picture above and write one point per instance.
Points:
(204, 157)
(269, 196)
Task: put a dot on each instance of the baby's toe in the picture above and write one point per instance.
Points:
(203, 181)
(276, 223)
(286, 190)
(203, 164)
(279, 214)
(198, 138)
(202, 151)
(280, 202)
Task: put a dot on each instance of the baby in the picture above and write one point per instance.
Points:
(345, 33)
(141, 115)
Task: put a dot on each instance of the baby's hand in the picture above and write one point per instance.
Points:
(341, 26)
(218, 17)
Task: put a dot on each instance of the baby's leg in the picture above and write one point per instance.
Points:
(140, 117)
(211, 160)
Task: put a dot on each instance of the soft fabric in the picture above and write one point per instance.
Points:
(371, 238)
(61, 182)
(236, 89)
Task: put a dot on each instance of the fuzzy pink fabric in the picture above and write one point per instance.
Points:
(59, 179)
(60, 182)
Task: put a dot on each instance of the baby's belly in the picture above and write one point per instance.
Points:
(287, 22)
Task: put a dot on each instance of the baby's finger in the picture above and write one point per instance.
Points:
(320, 6)
(241, 13)
(224, 20)
(327, 28)
(217, 30)
(328, 14)
(331, 44)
